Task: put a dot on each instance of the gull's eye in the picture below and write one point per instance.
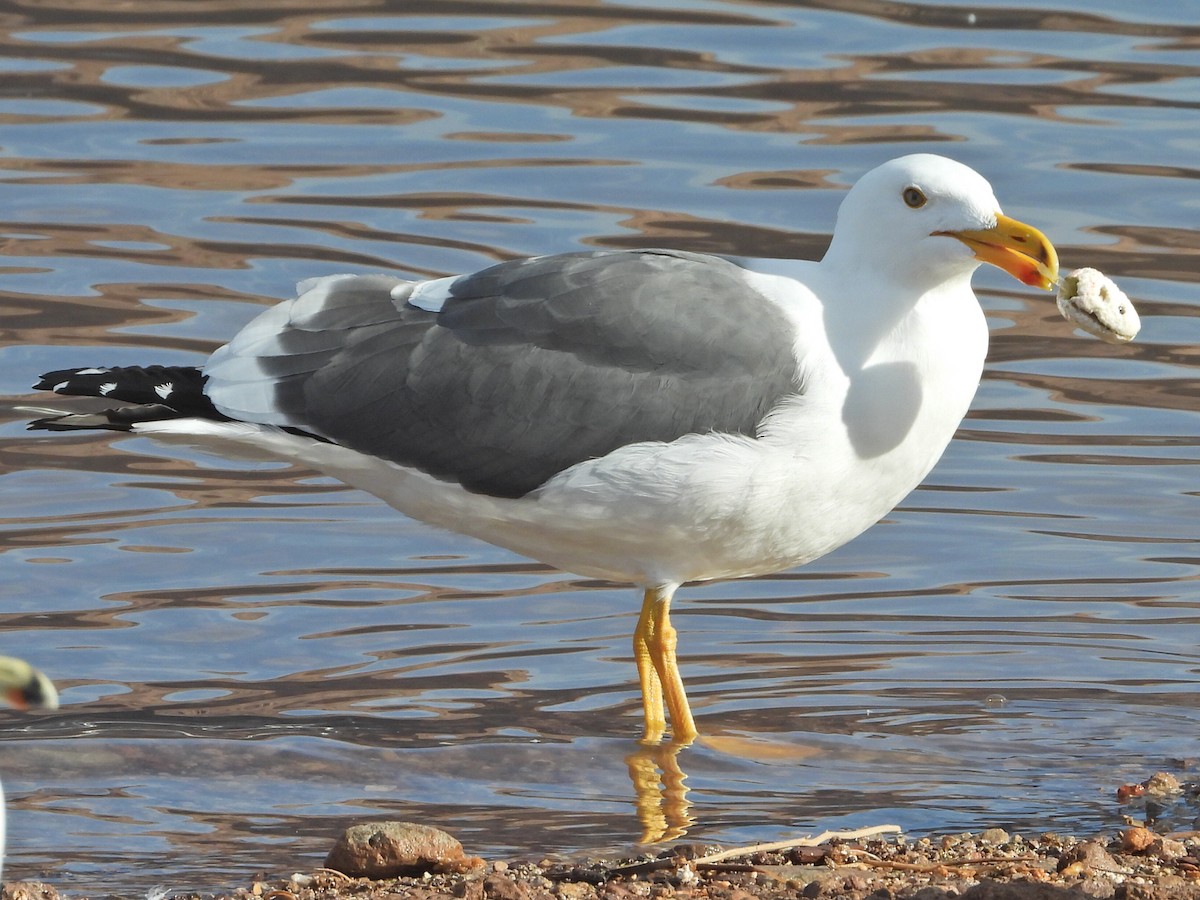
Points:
(914, 197)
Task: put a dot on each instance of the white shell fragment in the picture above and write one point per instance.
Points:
(1090, 299)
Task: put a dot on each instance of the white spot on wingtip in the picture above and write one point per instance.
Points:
(164, 390)
(430, 296)
(107, 388)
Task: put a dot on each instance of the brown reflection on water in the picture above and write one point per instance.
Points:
(953, 15)
(495, 59)
(226, 176)
(366, 58)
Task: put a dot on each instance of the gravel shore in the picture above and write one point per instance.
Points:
(1139, 860)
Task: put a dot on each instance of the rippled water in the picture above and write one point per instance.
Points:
(252, 657)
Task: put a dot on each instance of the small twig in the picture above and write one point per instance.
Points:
(797, 842)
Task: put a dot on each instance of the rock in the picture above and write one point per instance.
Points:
(1127, 792)
(501, 887)
(853, 883)
(1021, 890)
(387, 849)
(1098, 887)
(1168, 849)
(574, 891)
(468, 890)
(1137, 839)
(826, 885)
(1169, 889)
(994, 836)
(1162, 784)
(615, 891)
(1090, 855)
(29, 890)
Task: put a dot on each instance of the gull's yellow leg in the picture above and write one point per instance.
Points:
(643, 653)
(683, 726)
(654, 645)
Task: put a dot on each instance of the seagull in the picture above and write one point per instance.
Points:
(22, 686)
(649, 416)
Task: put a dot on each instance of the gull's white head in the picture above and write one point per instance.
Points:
(23, 686)
(924, 220)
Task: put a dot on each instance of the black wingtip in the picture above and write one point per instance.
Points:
(82, 382)
(178, 389)
(46, 382)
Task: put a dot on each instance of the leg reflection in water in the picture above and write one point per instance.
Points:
(660, 792)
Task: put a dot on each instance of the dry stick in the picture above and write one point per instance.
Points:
(797, 842)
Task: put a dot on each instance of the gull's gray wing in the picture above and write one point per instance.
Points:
(512, 374)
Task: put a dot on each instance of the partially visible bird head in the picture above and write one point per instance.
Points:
(24, 687)
(924, 219)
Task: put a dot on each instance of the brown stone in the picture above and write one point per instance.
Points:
(468, 890)
(28, 890)
(574, 890)
(388, 849)
(501, 887)
(856, 883)
(1137, 839)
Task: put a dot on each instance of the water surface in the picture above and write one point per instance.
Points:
(253, 657)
